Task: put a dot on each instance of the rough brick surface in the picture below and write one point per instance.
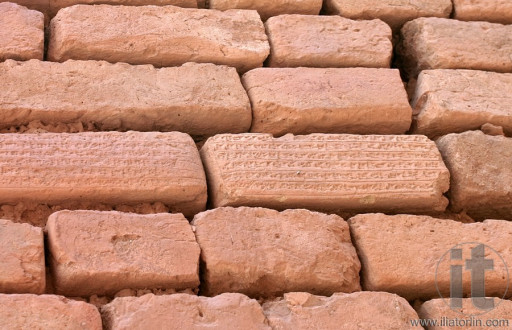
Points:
(106, 252)
(56, 5)
(393, 12)
(437, 309)
(326, 172)
(268, 8)
(316, 100)
(21, 258)
(230, 311)
(262, 253)
(27, 311)
(359, 310)
(403, 254)
(39, 5)
(437, 43)
(498, 11)
(110, 167)
(21, 33)
(162, 36)
(453, 101)
(199, 99)
(328, 41)
(481, 175)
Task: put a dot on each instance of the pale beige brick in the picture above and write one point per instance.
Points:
(268, 8)
(497, 11)
(317, 100)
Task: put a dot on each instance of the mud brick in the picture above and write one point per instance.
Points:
(481, 175)
(103, 167)
(264, 253)
(393, 12)
(199, 99)
(21, 33)
(162, 36)
(302, 311)
(22, 267)
(326, 172)
(318, 100)
(410, 255)
(268, 8)
(454, 101)
(438, 43)
(105, 252)
(56, 5)
(328, 41)
(28, 311)
(497, 11)
(42, 6)
(230, 311)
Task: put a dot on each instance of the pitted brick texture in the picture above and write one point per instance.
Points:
(315, 100)
(268, 8)
(56, 5)
(498, 11)
(162, 36)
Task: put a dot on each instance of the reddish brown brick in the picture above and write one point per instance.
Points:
(268, 8)
(27, 311)
(497, 11)
(39, 5)
(326, 172)
(56, 5)
(103, 167)
(21, 258)
(105, 252)
(199, 99)
(328, 41)
(315, 100)
(21, 33)
(162, 36)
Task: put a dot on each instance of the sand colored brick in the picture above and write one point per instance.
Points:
(437, 309)
(498, 11)
(359, 310)
(326, 172)
(481, 175)
(229, 311)
(318, 100)
(454, 101)
(105, 252)
(162, 36)
(56, 5)
(268, 8)
(265, 253)
(22, 267)
(403, 254)
(21, 33)
(328, 41)
(200, 99)
(28, 311)
(393, 12)
(111, 168)
(437, 43)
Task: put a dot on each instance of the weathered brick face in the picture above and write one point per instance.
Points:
(497, 11)
(268, 8)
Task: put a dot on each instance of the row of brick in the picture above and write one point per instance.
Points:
(325, 172)
(261, 253)
(206, 99)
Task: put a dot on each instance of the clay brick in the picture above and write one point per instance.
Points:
(230, 311)
(268, 8)
(42, 6)
(316, 100)
(359, 310)
(264, 253)
(328, 41)
(103, 167)
(393, 12)
(437, 43)
(162, 36)
(497, 11)
(105, 252)
(28, 311)
(21, 33)
(453, 101)
(200, 99)
(481, 175)
(326, 172)
(56, 5)
(439, 310)
(22, 267)
(403, 254)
